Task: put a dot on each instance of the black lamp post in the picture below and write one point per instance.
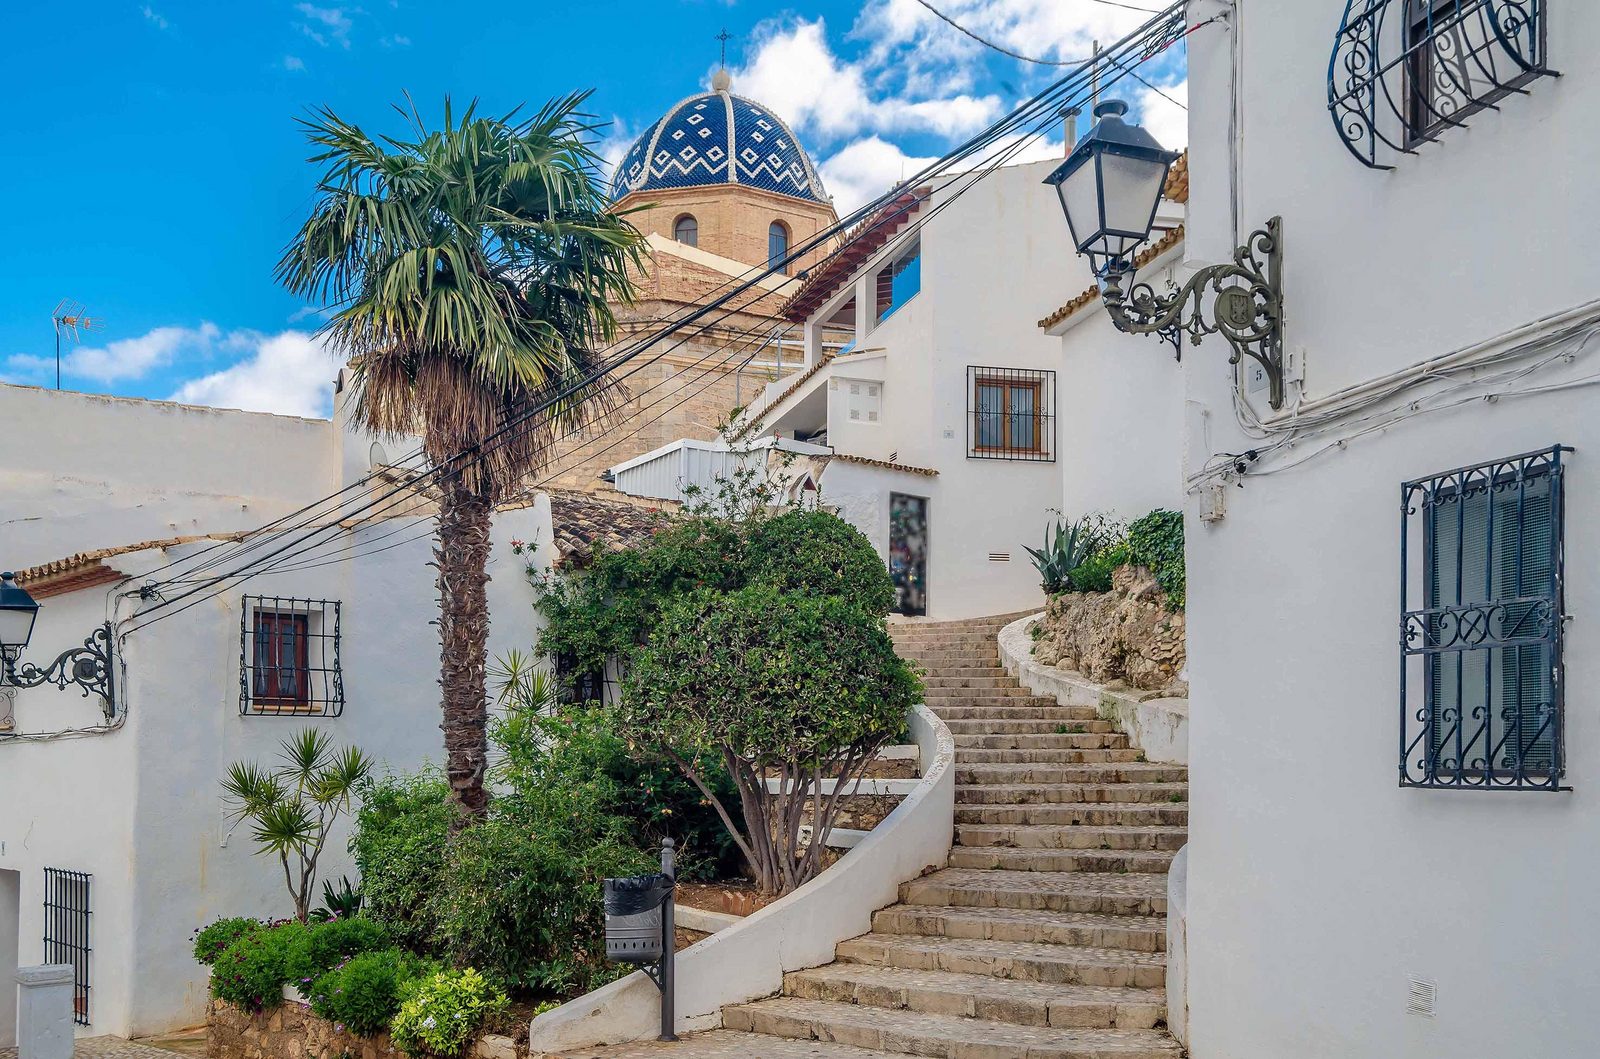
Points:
(1110, 188)
(88, 667)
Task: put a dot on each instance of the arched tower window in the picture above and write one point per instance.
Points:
(686, 230)
(777, 245)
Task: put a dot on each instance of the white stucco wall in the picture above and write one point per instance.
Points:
(83, 471)
(1316, 885)
(141, 808)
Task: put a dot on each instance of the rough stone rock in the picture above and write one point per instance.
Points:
(1126, 635)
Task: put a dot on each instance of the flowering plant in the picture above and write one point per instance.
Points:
(441, 1014)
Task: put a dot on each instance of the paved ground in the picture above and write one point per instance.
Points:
(105, 1048)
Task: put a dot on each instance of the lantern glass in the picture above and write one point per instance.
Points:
(17, 611)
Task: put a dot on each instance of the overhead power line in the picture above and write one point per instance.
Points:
(1022, 125)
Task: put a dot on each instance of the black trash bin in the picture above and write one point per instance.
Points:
(633, 917)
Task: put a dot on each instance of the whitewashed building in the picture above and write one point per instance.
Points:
(114, 842)
(1394, 751)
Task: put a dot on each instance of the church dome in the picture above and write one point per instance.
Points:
(719, 138)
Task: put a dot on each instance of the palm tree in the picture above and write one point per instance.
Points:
(472, 269)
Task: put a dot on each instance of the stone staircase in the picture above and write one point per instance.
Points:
(1044, 938)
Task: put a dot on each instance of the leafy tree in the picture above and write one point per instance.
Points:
(292, 808)
(781, 686)
(473, 268)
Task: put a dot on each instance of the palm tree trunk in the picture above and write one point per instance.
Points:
(462, 558)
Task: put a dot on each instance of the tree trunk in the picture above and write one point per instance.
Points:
(462, 558)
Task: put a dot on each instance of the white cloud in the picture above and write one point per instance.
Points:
(793, 70)
(324, 24)
(293, 63)
(154, 17)
(126, 358)
(396, 40)
(1163, 118)
(288, 373)
(866, 169)
(614, 144)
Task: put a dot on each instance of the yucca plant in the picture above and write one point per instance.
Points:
(472, 269)
(292, 807)
(1067, 546)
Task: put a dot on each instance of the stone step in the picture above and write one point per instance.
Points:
(940, 1036)
(968, 756)
(993, 696)
(1039, 926)
(1049, 741)
(999, 710)
(1044, 793)
(727, 1044)
(1072, 837)
(998, 727)
(1131, 772)
(1007, 858)
(1112, 895)
(1097, 814)
(954, 675)
(1019, 960)
(976, 997)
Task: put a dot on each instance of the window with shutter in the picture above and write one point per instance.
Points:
(1488, 636)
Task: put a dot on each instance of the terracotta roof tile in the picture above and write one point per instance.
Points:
(885, 464)
(1147, 255)
(87, 569)
(858, 244)
(583, 522)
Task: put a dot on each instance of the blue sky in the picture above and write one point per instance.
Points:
(154, 169)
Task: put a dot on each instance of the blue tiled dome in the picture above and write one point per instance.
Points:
(719, 138)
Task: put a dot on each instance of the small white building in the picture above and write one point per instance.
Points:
(1395, 754)
(114, 842)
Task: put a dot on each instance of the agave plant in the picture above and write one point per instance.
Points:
(293, 806)
(343, 903)
(1067, 545)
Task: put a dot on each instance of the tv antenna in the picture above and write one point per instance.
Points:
(71, 320)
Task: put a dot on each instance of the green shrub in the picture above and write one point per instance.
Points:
(400, 843)
(769, 682)
(440, 1014)
(523, 901)
(252, 972)
(325, 945)
(212, 941)
(1094, 575)
(1068, 546)
(363, 993)
(816, 553)
(1156, 541)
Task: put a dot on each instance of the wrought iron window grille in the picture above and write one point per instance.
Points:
(1481, 676)
(1011, 414)
(1404, 71)
(66, 931)
(289, 657)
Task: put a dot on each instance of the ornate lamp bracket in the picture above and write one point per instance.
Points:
(1247, 305)
(89, 667)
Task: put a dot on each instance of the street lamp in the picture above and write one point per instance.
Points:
(88, 667)
(1110, 188)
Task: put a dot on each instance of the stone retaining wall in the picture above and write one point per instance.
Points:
(1125, 636)
(291, 1031)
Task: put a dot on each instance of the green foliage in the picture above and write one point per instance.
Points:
(252, 971)
(523, 899)
(401, 843)
(440, 1014)
(1067, 546)
(808, 687)
(818, 554)
(292, 807)
(324, 946)
(1156, 541)
(1094, 573)
(363, 993)
(212, 941)
(341, 903)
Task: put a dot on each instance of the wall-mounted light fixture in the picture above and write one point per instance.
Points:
(88, 667)
(1110, 187)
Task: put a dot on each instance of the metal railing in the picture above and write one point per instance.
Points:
(289, 657)
(66, 931)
